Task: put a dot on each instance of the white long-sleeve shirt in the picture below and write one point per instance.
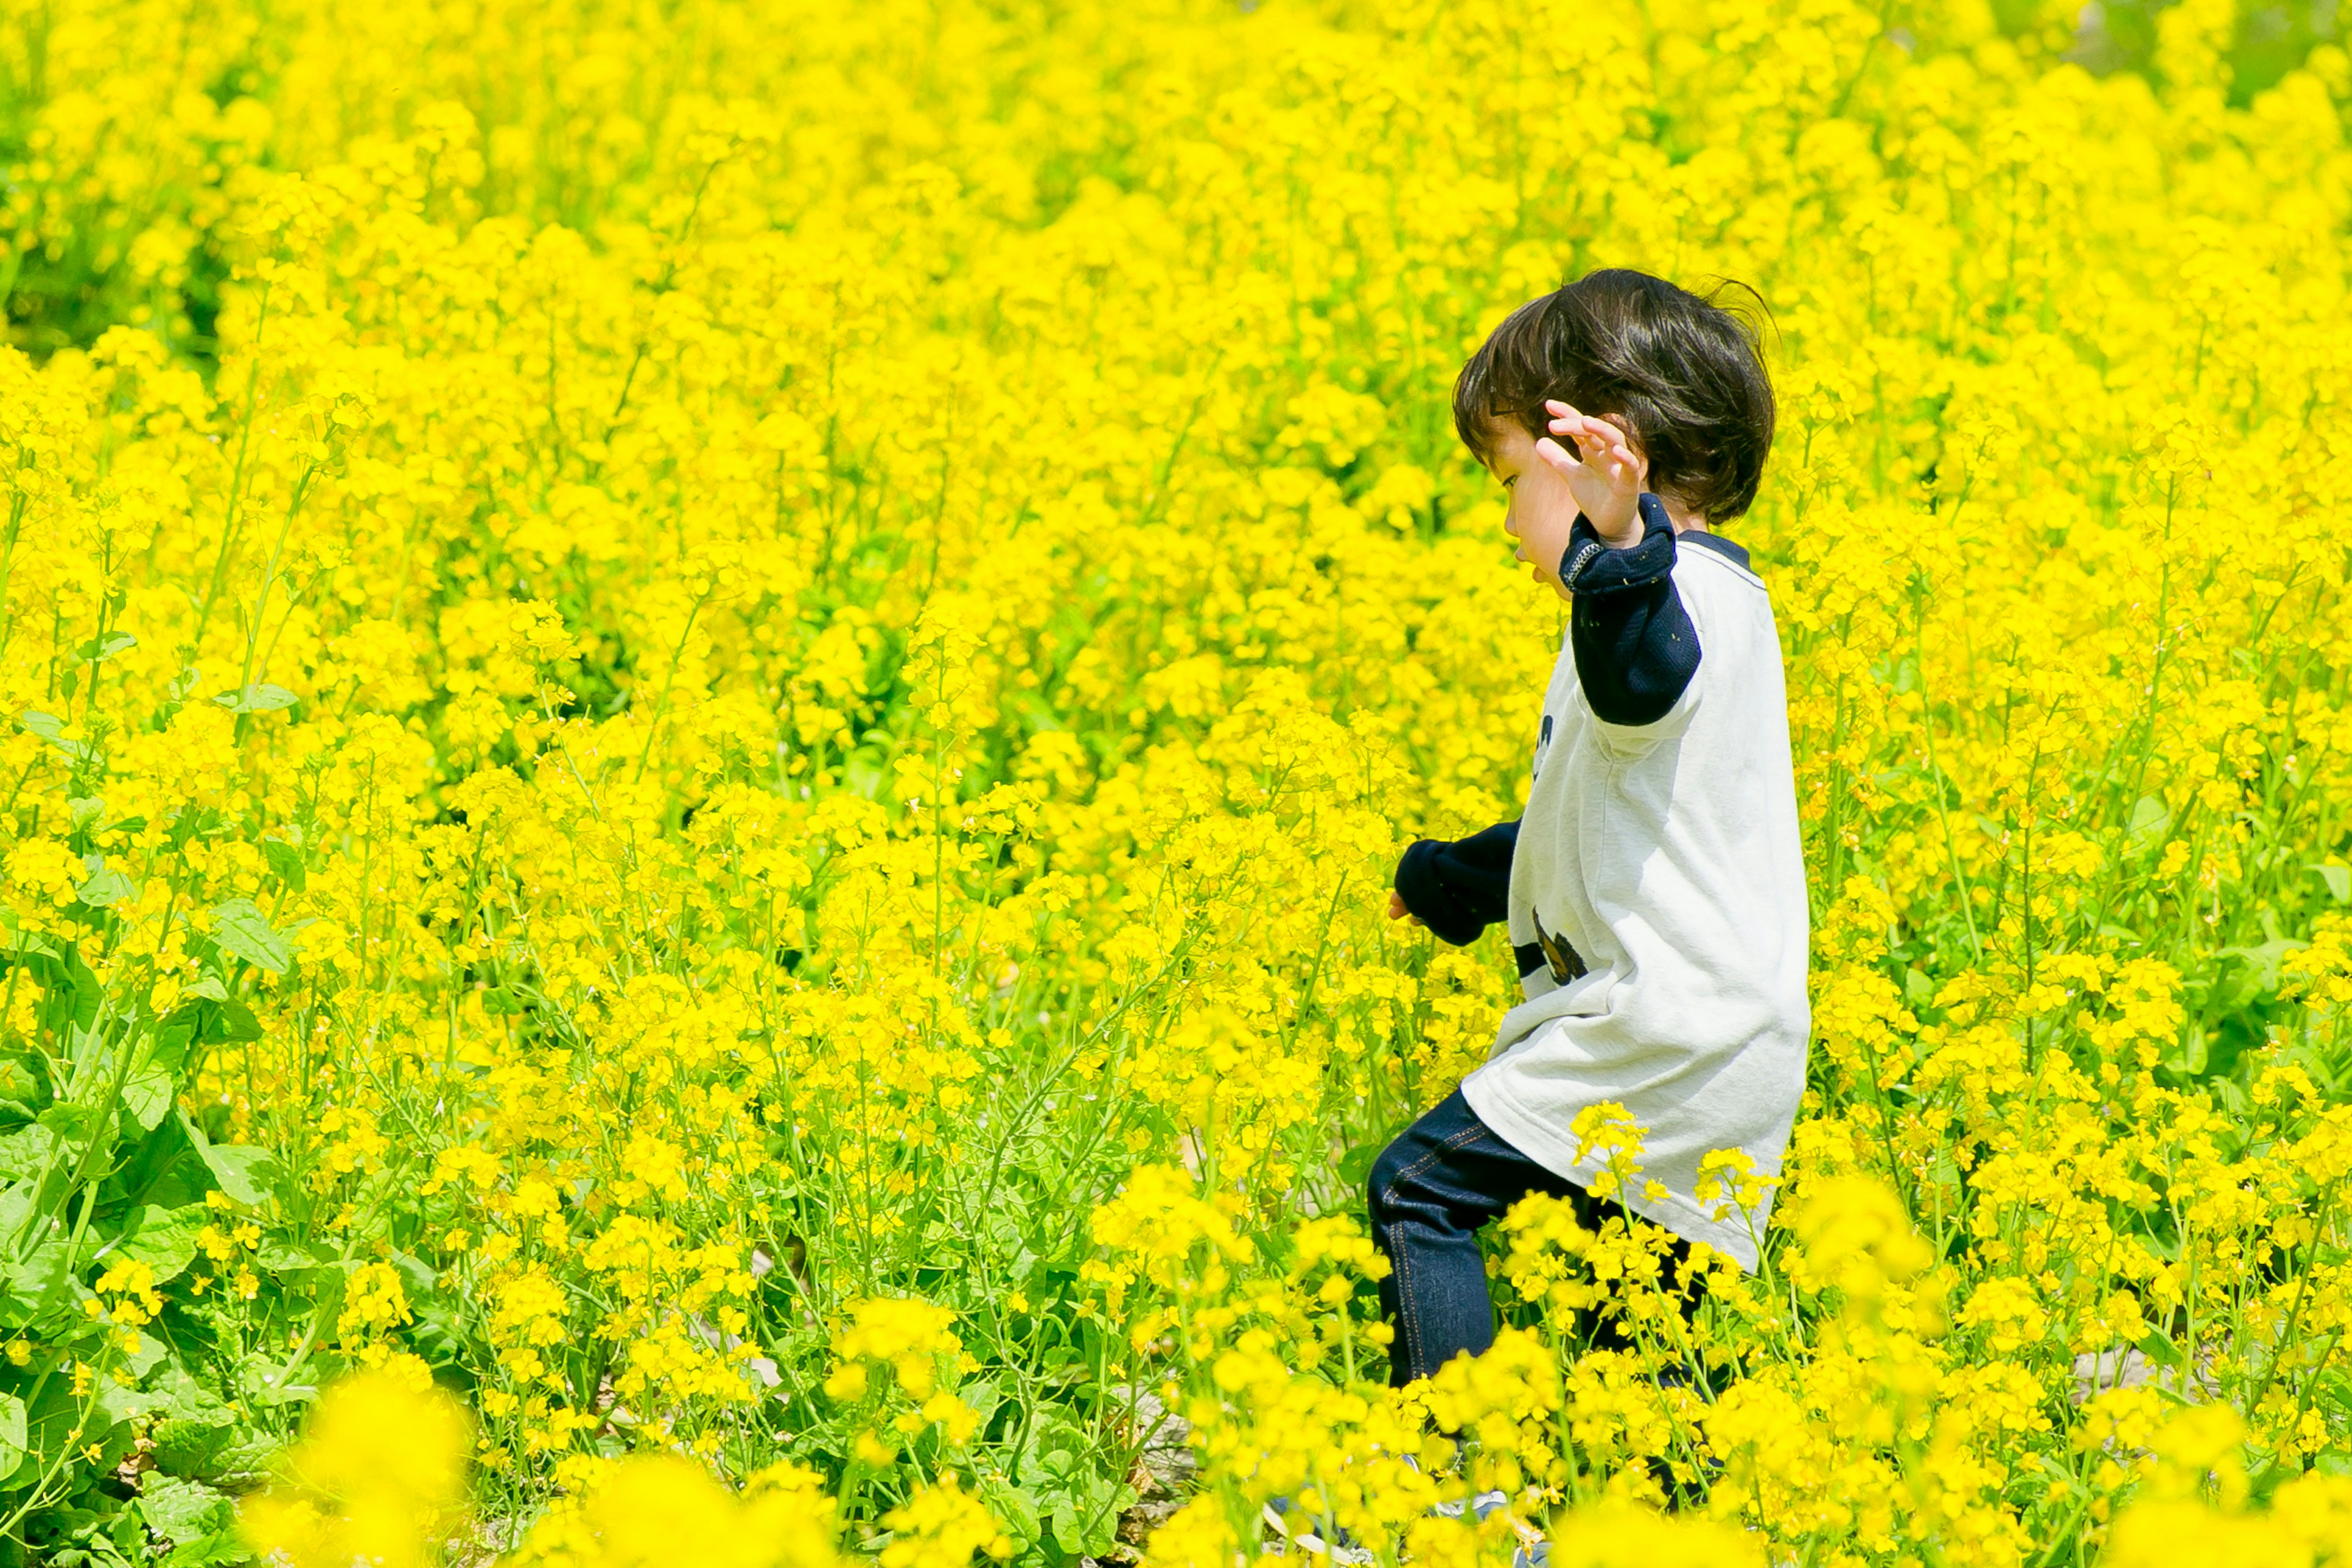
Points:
(1667, 857)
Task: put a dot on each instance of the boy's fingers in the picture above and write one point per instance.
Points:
(1566, 420)
(1556, 456)
(1623, 461)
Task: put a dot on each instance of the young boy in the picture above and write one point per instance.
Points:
(1656, 886)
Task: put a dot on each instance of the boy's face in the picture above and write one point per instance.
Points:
(1542, 512)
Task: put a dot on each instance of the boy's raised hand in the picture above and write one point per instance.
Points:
(1604, 473)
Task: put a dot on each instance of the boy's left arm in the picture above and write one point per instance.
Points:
(1636, 650)
(1457, 889)
(1635, 647)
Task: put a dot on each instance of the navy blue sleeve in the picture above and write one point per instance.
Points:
(1635, 647)
(1458, 889)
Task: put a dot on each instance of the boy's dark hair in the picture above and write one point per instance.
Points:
(1682, 372)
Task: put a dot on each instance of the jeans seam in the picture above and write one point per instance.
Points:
(1401, 1257)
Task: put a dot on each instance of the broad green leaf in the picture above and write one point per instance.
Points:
(22, 945)
(127, 1401)
(285, 860)
(35, 1282)
(221, 1549)
(1086, 1522)
(1356, 1163)
(211, 1445)
(1012, 1506)
(244, 1174)
(28, 1152)
(71, 1120)
(106, 647)
(183, 1511)
(52, 728)
(12, 1432)
(2339, 881)
(148, 1096)
(105, 886)
(244, 932)
(235, 1022)
(257, 699)
(163, 1239)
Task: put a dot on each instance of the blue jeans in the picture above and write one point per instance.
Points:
(1445, 1176)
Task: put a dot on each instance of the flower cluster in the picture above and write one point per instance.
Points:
(704, 711)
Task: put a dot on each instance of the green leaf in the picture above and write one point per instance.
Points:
(104, 886)
(235, 1022)
(2262, 966)
(221, 1549)
(257, 699)
(72, 1120)
(34, 1286)
(285, 1257)
(52, 728)
(244, 932)
(2339, 881)
(1356, 1163)
(1087, 1525)
(12, 1432)
(28, 1152)
(21, 945)
(192, 1444)
(148, 1096)
(71, 992)
(244, 1174)
(285, 860)
(211, 1445)
(183, 1511)
(128, 1401)
(138, 1362)
(268, 1384)
(1012, 1506)
(106, 647)
(163, 1239)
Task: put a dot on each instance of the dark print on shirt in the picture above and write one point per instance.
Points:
(1565, 962)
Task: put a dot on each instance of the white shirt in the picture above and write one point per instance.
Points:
(1668, 855)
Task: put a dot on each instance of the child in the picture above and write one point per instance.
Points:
(1656, 887)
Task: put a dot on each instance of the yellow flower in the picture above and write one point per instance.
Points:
(379, 1472)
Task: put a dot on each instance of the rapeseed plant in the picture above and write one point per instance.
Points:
(707, 709)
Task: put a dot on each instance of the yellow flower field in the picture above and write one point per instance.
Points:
(707, 705)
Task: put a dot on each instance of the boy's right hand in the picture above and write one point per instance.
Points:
(1397, 911)
(1606, 475)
